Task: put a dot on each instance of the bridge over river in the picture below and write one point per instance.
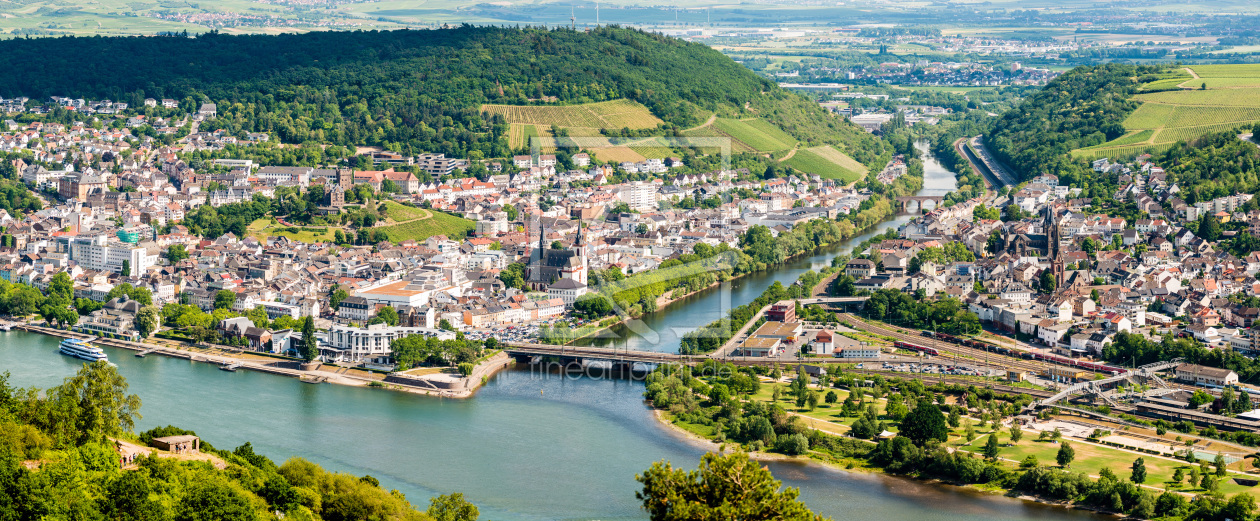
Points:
(628, 356)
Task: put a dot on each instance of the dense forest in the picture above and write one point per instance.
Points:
(1081, 108)
(1215, 165)
(59, 460)
(412, 91)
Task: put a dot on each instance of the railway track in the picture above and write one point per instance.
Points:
(975, 356)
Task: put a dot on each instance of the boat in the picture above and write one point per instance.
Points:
(229, 367)
(82, 349)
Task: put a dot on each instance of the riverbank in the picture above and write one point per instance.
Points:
(439, 385)
(862, 467)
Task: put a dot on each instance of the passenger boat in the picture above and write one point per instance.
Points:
(82, 349)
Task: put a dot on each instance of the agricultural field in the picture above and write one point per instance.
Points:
(615, 114)
(828, 163)
(617, 154)
(757, 133)
(1231, 101)
(437, 223)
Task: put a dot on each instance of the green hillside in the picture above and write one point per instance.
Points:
(416, 90)
(1182, 109)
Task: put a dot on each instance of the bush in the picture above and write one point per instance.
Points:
(793, 445)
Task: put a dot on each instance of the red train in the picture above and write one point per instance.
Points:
(907, 345)
(1075, 362)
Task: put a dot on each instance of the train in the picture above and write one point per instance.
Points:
(994, 348)
(915, 347)
(1087, 365)
(972, 343)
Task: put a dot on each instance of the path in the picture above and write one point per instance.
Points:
(707, 122)
(791, 153)
(1248, 138)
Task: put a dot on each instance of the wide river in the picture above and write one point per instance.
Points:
(527, 447)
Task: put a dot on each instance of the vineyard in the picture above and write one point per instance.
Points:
(827, 163)
(398, 212)
(616, 114)
(756, 133)
(420, 229)
(1231, 101)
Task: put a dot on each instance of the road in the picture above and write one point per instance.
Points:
(1004, 175)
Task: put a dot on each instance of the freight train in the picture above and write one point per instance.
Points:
(972, 343)
(1063, 360)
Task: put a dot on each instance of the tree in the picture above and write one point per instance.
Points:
(129, 497)
(213, 500)
(1209, 228)
(1139, 471)
(389, 315)
(336, 297)
(126, 268)
(445, 325)
(61, 289)
(991, 447)
(92, 405)
(1220, 465)
(1048, 282)
(176, 253)
(452, 507)
(831, 397)
(1066, 454)
(310, 347)
(147, 321)
(925, 423)
(557, 245)
(1016, 434)
(729, 486)
(224, 299)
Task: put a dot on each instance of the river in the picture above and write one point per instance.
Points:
(662, 330)
(527, 447)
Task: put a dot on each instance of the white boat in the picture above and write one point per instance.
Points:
(83, 350)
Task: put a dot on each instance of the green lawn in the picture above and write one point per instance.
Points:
(1091, 459)
(262, 228)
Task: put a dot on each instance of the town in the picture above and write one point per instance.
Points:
(413, 247)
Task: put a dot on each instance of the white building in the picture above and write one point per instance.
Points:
(102, 253)
(372, 343)
(639, 195)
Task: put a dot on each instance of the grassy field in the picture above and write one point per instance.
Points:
(437, 223)
(1091, 459)
(758, 134)
(1231, 100)
(262, 228)
(828, 163)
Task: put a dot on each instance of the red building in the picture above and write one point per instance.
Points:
(783, 311)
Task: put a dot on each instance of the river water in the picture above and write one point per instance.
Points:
(527, 447)
(661, 331)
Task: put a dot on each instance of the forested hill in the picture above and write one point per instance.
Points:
(419, 90)
(1083, 107)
